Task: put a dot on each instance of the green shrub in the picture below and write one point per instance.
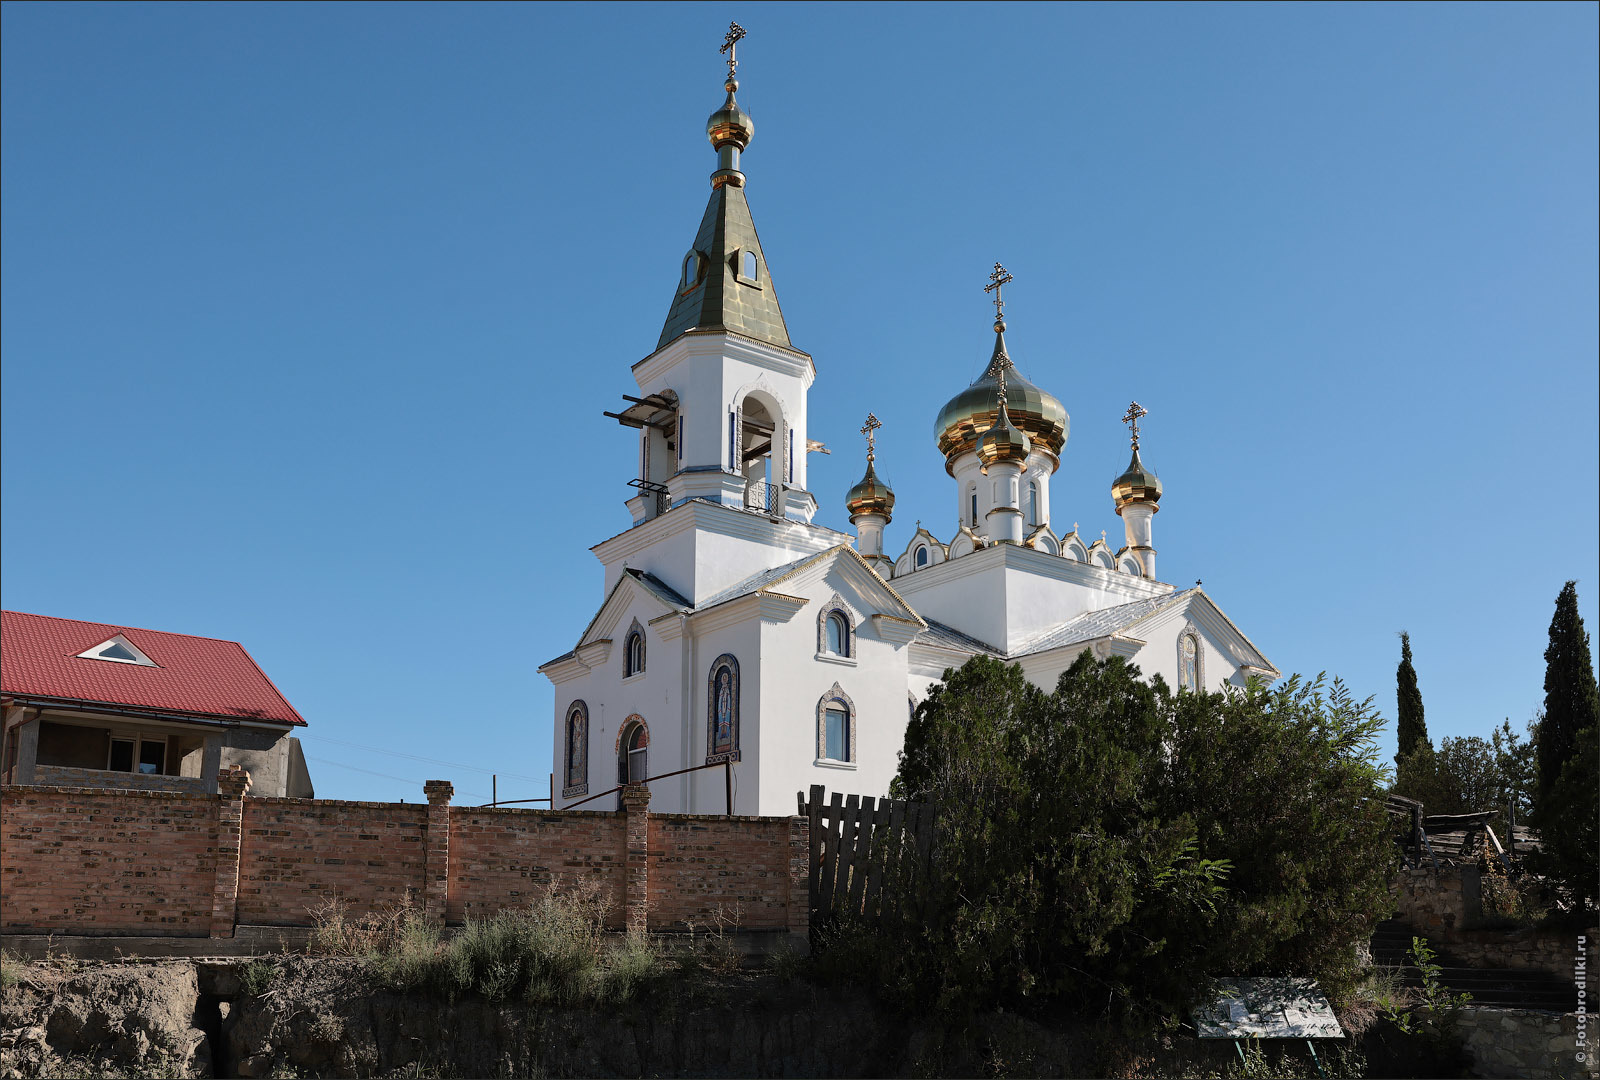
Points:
(1114, 844)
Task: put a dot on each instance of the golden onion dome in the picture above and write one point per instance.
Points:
(1137, 484)
(1004, 441)
(973, 411)
(730, 124)
(870, 496)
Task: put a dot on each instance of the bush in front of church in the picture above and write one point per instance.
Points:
(1114, 844)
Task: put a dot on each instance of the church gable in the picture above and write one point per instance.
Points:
(842, 575)
(635, 590)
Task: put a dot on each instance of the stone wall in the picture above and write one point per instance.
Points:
(98, 862)
(1446, 906)
(1525, 1044)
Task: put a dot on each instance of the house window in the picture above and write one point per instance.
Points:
(722, 710)
(922, 557)
(836, 727)
(634, 654)
(577, 750)
(143, 755)
(836, 635)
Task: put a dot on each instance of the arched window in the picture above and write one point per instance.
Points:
(722, 710)
(836, 632)
(972, 500)
(838, 635)
(748, 267)
(1033, 502)
(836, 726)
(692, 264)
(1190, 660)
(576, 776)
(922, 556)
(633, 654)
(633, 751)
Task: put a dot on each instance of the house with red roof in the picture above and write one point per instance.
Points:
(95, 705)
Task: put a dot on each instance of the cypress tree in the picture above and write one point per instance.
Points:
(1409, 725)
(1571, 700)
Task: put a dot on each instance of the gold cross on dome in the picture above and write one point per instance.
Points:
(870, 429)
(735, 33)
(1135, 413)
(999, 277)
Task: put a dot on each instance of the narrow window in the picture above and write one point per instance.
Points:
(691, 270)
(973, 495)
(637, 755)
(922, 557)
(838, 635)
(677, 430)
(1189, 663)
(577, 750)
(747, 265)
(1033, 503)
(733, 441)
(722, 720)
(635, 654)
(838, 735)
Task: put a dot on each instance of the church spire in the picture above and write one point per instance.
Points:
(725, 284)
(1137, 495)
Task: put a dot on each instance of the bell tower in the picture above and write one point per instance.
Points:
(722, 401)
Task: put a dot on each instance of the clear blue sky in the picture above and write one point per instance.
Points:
(310, 313)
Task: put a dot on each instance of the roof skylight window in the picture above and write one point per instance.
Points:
(118, 650)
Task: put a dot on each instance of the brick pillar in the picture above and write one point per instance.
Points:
(636, 887)
(800, 882)
(233, 784)
(436, 858)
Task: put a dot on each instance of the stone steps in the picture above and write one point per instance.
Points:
(1519, 988)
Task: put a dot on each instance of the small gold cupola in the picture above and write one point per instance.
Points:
(871, 495)
(1137, 494)
(1004, 441)
(730, 127)
(1138, 483)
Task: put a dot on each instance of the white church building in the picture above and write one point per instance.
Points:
(733, 629)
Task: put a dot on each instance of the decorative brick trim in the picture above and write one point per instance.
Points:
(835, 695)
(233, 784)
(436, 852)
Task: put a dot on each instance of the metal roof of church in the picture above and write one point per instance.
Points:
(194, 676)
(1098, 624)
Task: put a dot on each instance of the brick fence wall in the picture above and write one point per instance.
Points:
(98, 862)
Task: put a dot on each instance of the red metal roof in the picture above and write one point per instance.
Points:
(195, 675)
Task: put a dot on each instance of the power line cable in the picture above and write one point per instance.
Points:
(433, 761)
(383, 775)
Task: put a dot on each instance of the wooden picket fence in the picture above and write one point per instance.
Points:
(858, 846)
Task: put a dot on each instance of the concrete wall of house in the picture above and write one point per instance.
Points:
(59, 746)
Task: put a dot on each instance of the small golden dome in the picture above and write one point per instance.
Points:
(870, 496)
(974, 411)
(1137, 484)
(730, 124)
(1004, 441)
